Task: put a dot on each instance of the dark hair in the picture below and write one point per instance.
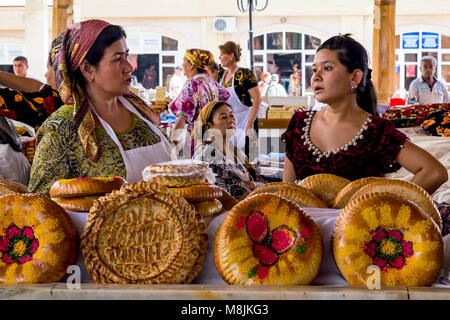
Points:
(353, 55)
(21, 58)
(211, 114)
(108, 36)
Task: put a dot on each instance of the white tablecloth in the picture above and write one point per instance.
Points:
(328, 275)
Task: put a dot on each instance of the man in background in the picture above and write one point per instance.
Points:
(427, 88)
(20, 66)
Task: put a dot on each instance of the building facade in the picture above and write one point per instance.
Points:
(287, 32)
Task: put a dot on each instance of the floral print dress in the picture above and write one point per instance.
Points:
(60, 154)
(31, 108)
(196, 93)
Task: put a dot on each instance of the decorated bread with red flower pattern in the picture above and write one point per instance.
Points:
(343, 197)
(10, 187)
(409, 190)
(37, 239)
(302, 196)
(198, 192)
(325, 186)
(267, 239)
(389, 233)
(143, 234)
(79, 187)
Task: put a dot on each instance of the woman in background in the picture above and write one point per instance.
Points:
(198, 90)
(245, 98)
(213, 131)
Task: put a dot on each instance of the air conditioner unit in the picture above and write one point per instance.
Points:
(224, 24)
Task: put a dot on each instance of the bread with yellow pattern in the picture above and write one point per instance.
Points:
(406, 189)
(37, 239)
(143, 234)
(389, 233)
(267, 239)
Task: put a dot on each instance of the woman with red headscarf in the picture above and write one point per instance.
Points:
(103, 130)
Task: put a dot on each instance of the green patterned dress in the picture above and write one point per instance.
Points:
(60, 155)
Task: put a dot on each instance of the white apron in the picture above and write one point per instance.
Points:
(137, 159)
(241, 113)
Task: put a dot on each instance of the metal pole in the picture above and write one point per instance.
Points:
(251, 34)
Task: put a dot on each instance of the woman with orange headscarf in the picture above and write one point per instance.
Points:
(103, 130)
(198, 90)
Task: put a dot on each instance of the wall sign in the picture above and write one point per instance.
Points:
(411, 40)
(430, 40)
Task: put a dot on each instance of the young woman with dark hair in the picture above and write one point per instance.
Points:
(347, 138)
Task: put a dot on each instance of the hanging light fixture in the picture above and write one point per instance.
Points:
(250, 6)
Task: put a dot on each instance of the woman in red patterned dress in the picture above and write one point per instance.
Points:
(347, 138)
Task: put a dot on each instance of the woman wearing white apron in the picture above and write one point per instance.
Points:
(71, 142)
(245, 97)
(137, 159)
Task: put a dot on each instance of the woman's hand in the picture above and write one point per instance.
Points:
(288, 171)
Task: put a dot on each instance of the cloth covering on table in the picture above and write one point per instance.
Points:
(329, 274)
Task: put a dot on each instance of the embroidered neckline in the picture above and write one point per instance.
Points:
(316, 151)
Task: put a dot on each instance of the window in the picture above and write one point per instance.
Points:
(149, 49)
(169, 44)
(411, 47)
(279, 52)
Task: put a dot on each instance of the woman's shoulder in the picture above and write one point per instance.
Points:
(381, 124)
(299, 116)
(63, 115)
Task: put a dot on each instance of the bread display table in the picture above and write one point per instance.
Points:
(329, 284)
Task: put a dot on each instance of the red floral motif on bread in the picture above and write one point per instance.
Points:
(268, 245)
(388, 249)
(18, 245)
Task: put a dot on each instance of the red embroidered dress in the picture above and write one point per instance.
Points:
(371, 153)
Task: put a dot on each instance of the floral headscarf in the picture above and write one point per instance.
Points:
(76, 43)
(199, 58)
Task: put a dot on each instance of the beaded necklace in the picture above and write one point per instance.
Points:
(316, 151)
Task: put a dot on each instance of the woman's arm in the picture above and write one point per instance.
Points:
(288, 171)
(50, 162)
(19, 83)
(256, 98)
(428, 172)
